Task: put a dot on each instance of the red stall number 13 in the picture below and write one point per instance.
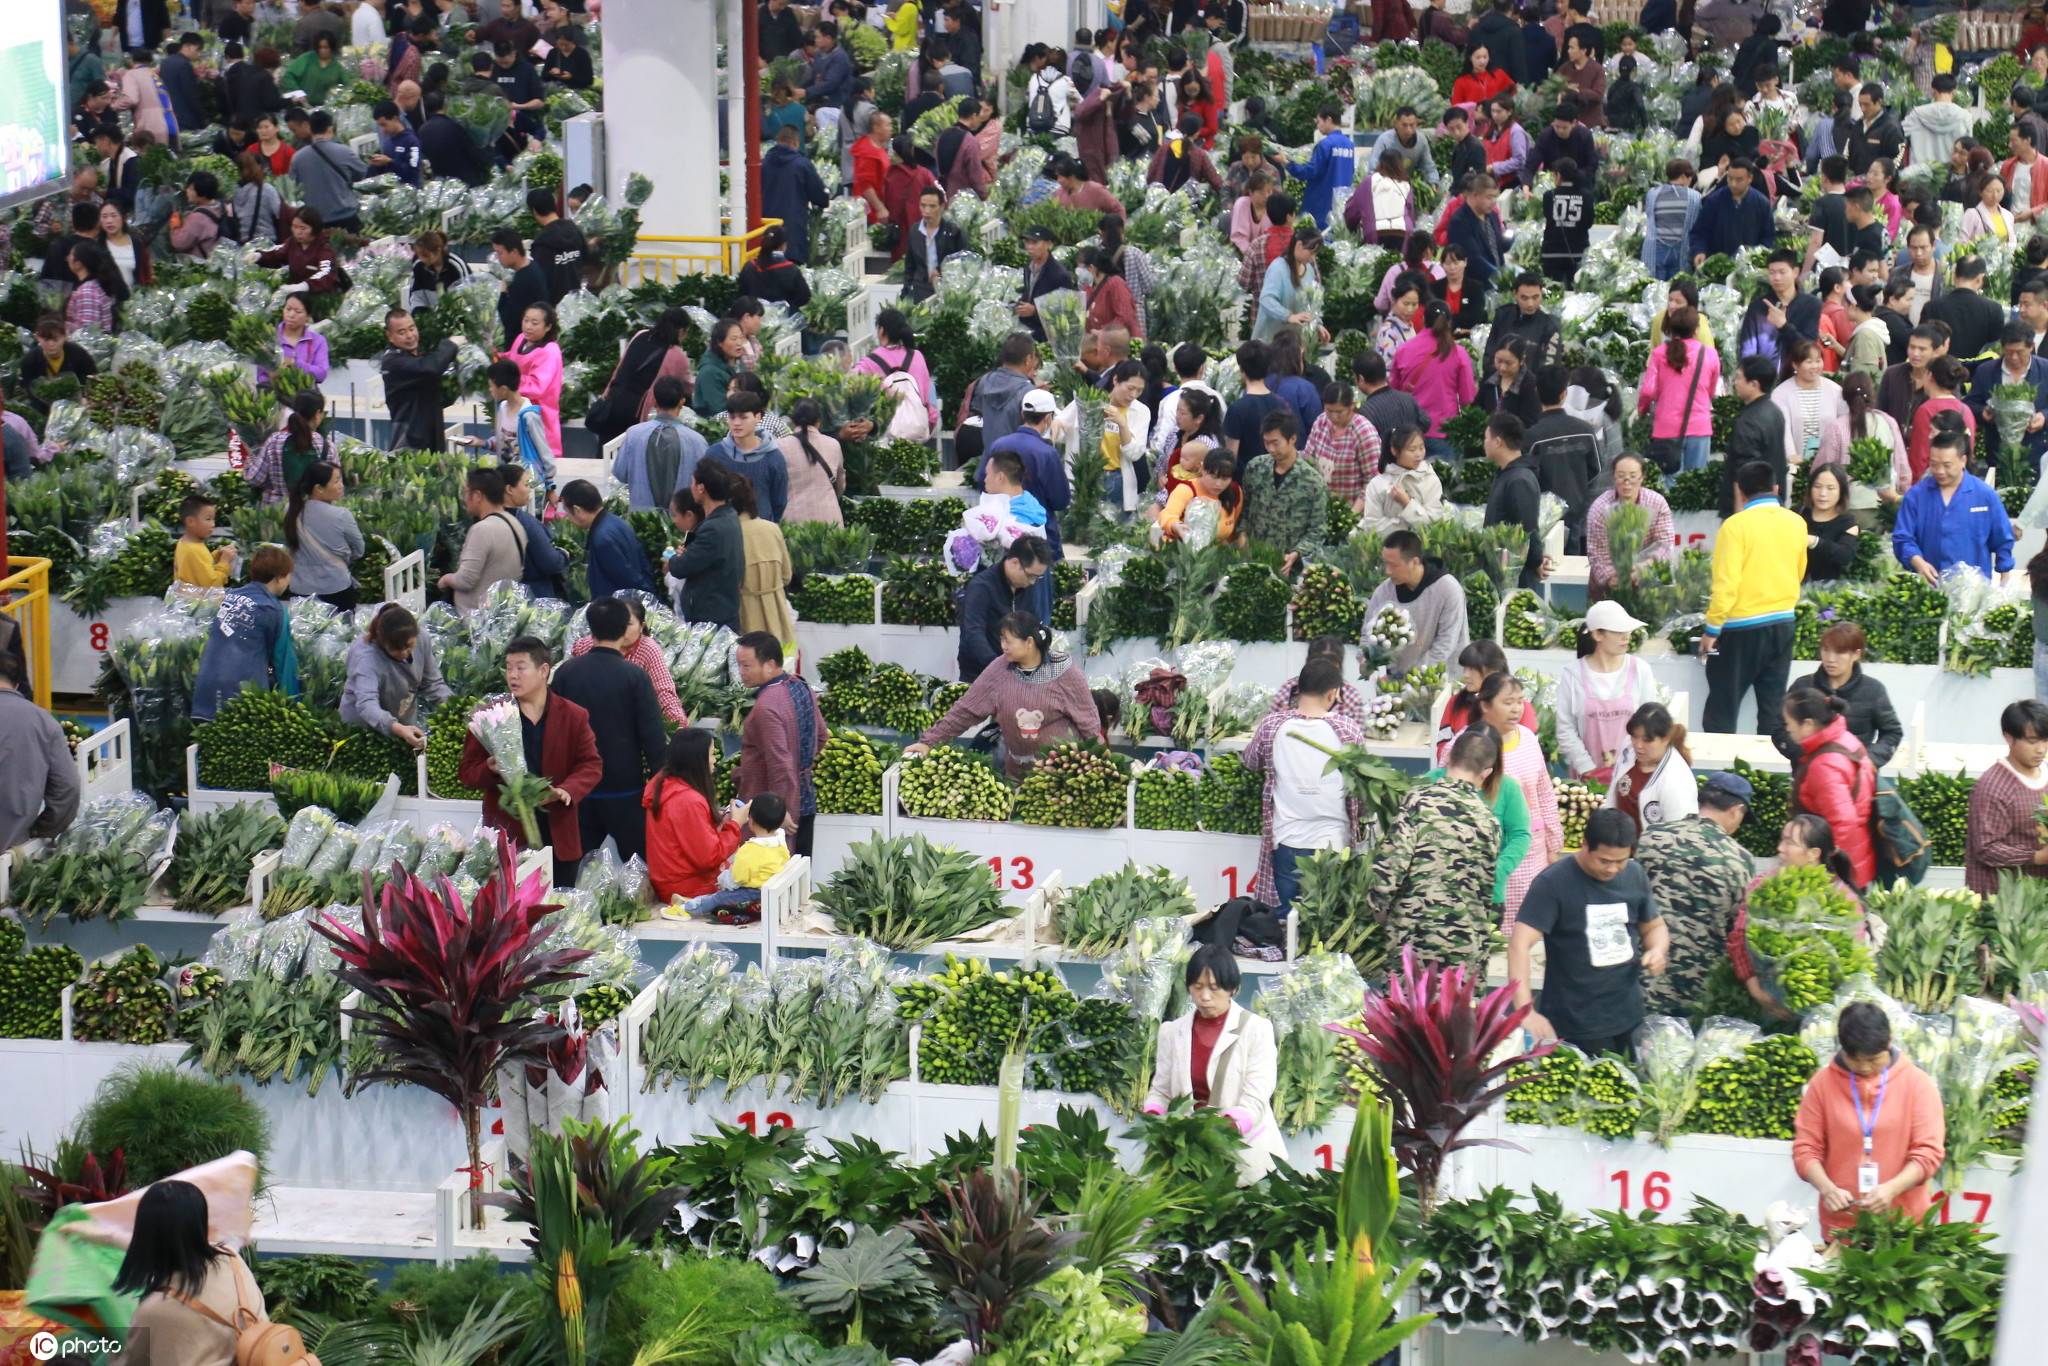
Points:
(1655, 1193)
(1023, 876)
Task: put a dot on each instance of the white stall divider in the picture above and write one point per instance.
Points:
(405, 582)
(104, 766)
(200, 800)
(462, 813)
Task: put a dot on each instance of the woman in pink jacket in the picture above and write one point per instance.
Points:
(896, 349)
(1681, 366)
(1436, 370)
(538, 354)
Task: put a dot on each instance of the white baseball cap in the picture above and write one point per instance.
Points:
(1609, 615)
(1040, 401)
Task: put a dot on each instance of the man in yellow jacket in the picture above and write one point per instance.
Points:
(1759, 561)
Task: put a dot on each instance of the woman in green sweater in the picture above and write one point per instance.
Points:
(316, 71)
(715, 370)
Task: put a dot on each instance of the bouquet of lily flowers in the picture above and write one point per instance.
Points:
(1064, 316)
(521, 792)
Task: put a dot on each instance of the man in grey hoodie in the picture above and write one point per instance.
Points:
(327, 172)
(1433, 600)
(1932, 128)
(999, 395)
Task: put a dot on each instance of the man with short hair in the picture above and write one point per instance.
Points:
(1974, 321)
(546, 563)
(527, 287)
(1734, 216)
(1388, 409)
(181, 81)
(1829, 224)
(398, 147)
(1601, 932)
(1042, 275)
(1899, 392)
(446, 146)
(1931, 129)
(1305, 809)
(790, 189)
(1045, 478)
(614, 560)
(2025, 176)
(2016, 363)
(1566, 453)
(996, 590)
(1285, 497)
(1875, 132)
(1475, 229)
(781, 35)
(831, 69)
(39, 790)
(958, 151)
(1077, 191)
(1759, 564)
(559, 747)
(2032, 311)
(1566, 137)
(1921, 270)
(495, 548)
(626, 722)
(1329, 169)
(1243, 421)
(412, 383)
(327, 173)
(657, 457)
(1515, 497)
(519, 85)
(1406, 141)
(784, 732)
(1523, 317)
(714, 561)
(1781, 311)
(1437, 865)
(928, 242)
(1433, 600)
(1952, 517)
(1700, 877)
(1759, 430)
(999, 394)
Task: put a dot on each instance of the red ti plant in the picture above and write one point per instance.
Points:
(97, 1182)
(455, 989)
(1432, 1046)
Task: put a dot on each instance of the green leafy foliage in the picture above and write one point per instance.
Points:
(165, 1120)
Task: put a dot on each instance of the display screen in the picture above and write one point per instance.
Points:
(34, 108)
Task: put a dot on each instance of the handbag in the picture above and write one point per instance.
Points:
(1669, 451)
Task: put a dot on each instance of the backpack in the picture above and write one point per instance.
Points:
(258, 1342)
(1043, 118)
(664, 458)
(910, 421)
(1897, 835)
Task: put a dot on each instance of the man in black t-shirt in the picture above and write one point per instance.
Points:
(558, 248)
(1601, 933)
(1974, 321)
(1243, 420)
(1829, 226)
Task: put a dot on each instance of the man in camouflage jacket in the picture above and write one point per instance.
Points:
(1437, 864)
(1286, 499)
(1700, 876)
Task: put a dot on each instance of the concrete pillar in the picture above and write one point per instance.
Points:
(661, 110)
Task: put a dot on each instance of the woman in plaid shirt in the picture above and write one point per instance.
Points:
(96, 303)
(1344, 444)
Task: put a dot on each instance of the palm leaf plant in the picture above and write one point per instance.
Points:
(873, 1290)
(1376, 785)
(1430, 1042)
(988, 1249)
(451, 992)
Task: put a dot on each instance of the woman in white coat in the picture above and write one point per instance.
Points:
(1224, 1057)
(1656, 786)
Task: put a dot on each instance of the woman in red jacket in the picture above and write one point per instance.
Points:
(308, 259)
(1482, 79)
(1109, 297)
(686, 846)
(568, 756)
(1833, 778)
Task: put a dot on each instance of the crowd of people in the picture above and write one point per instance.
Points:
(1872, 323)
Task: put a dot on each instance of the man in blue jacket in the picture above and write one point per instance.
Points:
(613, 558)
(1045, 478)
(1952, 517)
(790, 189)
(994, 593)
(1734, 216)
(1329, 167)
(2017, 364)
(831, 69)
(546, 562)
(1475, 231)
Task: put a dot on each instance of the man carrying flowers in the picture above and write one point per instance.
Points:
(533, 754)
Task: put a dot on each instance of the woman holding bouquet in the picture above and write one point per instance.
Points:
(536, 757)
(1500, 706)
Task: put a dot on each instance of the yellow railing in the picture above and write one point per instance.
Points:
(26, 590)
(716, 256)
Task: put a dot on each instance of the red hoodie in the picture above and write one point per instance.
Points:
(684, 849)
(1840, 788)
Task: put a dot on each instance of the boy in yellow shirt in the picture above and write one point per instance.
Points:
(753, 864)
(194, 561)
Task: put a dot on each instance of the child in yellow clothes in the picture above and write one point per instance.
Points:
(194, 561)
(753, 864)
